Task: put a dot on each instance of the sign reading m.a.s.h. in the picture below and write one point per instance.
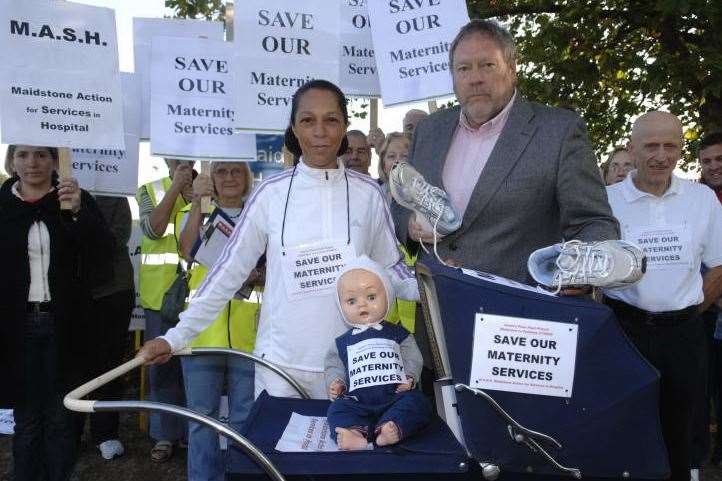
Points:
(59, 77)
(523, 355)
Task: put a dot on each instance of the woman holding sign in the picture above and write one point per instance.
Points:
(49, 256)
(204, 377)
(310, 220)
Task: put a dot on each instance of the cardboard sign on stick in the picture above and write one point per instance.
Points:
(412, 41)
(281, 45)
(49, 95)
(193, 100)
(144, 30)
(358, 72)
(114, 171)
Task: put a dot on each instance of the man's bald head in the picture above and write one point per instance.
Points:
(655, 146)
(412, 118)
(656, 120)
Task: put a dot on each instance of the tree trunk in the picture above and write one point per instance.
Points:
(710, 115)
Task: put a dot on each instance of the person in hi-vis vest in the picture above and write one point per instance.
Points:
(207, 377)
(159, 202)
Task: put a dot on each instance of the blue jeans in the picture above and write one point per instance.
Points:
(45, 442)
(166, 385)
(204, 378)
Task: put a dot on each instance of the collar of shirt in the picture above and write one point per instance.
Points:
(15, 189)
(490, 127)
(322, 174)
(359, 328)
(632, 193)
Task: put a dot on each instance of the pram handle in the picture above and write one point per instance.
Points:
(188, 351)
(73, 402)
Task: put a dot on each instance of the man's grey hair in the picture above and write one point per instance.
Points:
(357, 133)
(491, 29)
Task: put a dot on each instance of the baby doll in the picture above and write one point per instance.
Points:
(372, 369)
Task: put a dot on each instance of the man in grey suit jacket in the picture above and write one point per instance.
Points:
(530, 184)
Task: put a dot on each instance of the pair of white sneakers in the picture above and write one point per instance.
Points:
(613, 264)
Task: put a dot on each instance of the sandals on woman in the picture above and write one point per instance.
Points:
(161, 452)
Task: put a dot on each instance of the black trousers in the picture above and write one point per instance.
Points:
(112, 316)
(676, 349)
(45, 441)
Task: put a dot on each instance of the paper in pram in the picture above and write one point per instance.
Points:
(7, 423)
(306, 434)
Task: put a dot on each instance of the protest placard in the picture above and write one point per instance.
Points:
(137, 317)
(375, 362)
(193, 92)
(412, 40)
(48, 95)
(281, 46)
(358, 74)
(144, 30)
(523, 355)
(113, 171)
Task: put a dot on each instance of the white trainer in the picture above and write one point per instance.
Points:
(111, 448)
(410, 190)
(612, 264)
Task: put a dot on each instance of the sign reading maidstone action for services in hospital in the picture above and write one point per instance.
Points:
(59, 77)
(192, 106)
(358, 72)
(412, 40)
(523, 355)
(114, 171)
(281, 45)
(144, 30)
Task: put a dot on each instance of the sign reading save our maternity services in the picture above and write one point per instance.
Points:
(281, 45)
(193, 92)
(358, 72)
(59, 77)
(523, 355)
(144, 30)
(412, 40)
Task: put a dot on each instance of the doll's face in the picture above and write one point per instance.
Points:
(362, 296)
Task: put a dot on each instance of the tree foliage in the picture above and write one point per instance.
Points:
(611, 59)
(608, 59)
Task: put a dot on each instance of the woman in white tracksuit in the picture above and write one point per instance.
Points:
(309, 220)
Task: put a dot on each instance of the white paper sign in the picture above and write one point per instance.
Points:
(312, 270)
(412, 40)
(144, 30)
(375, 362)
(193, 92)
(111, 171)
(503, 281)
(665, 247)
(137, 317)
(306, 434)
(7, 422)
(282, 45)
(523, 355)
(48, 93)
(214, 236)
(359, 75)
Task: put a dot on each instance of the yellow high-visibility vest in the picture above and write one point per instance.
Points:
(158, 258)
(404, 311)
(236, 325)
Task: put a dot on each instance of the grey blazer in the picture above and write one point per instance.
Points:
(541, 185)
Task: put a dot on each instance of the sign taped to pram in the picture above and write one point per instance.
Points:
(306, 434)
(523, 355)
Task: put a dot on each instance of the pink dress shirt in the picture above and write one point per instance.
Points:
(469, 151)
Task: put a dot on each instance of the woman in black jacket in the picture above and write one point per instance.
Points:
(50, 257)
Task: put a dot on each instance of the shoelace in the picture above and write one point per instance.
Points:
(594, 263)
